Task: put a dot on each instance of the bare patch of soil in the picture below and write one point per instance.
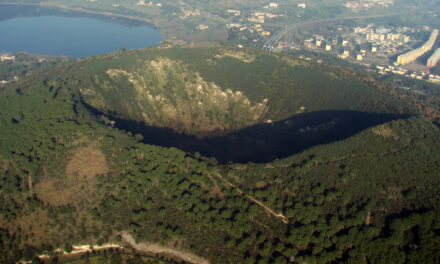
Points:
(78, 181)
(384, 131)
(244, 57)
(87, 162)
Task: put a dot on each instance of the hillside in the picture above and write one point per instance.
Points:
(206, 100)
(201, 91)
(344, 173)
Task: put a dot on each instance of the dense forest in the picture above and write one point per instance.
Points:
(73, 173)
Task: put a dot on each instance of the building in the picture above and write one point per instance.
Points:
(328, 47)
(434, 78)
(265, 33)
(257, 19)
(234, 11)
(392, 36)
(272, 15)
(360, 29)
(7, 57)
(234, 25)
(273, 5)
(202, 27)
(283, 44)
(433, 60)
(345, 55)
(382, 30)
(399, 71)
(412, 55)
(301, 5)
(372, 36)
(359, 57)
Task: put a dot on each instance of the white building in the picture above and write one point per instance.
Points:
(7, 57)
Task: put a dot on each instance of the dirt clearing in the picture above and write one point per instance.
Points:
(78, 182)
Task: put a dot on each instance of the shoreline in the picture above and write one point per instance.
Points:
(86, 11)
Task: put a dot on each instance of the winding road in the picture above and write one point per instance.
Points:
(160, 249)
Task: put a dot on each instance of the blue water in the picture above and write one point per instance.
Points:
(73, 37)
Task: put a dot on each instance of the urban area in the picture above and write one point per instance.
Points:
(399, 50)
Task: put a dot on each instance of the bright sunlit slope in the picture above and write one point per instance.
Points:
(201, 91)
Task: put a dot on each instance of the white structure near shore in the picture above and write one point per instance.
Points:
(6, 57)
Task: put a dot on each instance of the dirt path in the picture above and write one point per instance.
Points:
(262, 205)
(216, 190)
(78, 249)
(31, 191)
(157, 248)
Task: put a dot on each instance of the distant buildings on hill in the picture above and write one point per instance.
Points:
(414, 54)
(433, 60)
(7, 57)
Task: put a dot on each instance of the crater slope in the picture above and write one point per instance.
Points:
(165, 93)
(215, 91)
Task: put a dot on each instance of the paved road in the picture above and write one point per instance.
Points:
(272, 41)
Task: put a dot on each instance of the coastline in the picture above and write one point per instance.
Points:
(85, 11)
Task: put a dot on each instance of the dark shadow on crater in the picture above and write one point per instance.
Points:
(265, 142)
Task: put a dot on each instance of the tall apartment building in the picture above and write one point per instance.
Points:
(433, 60)
(412, 55)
